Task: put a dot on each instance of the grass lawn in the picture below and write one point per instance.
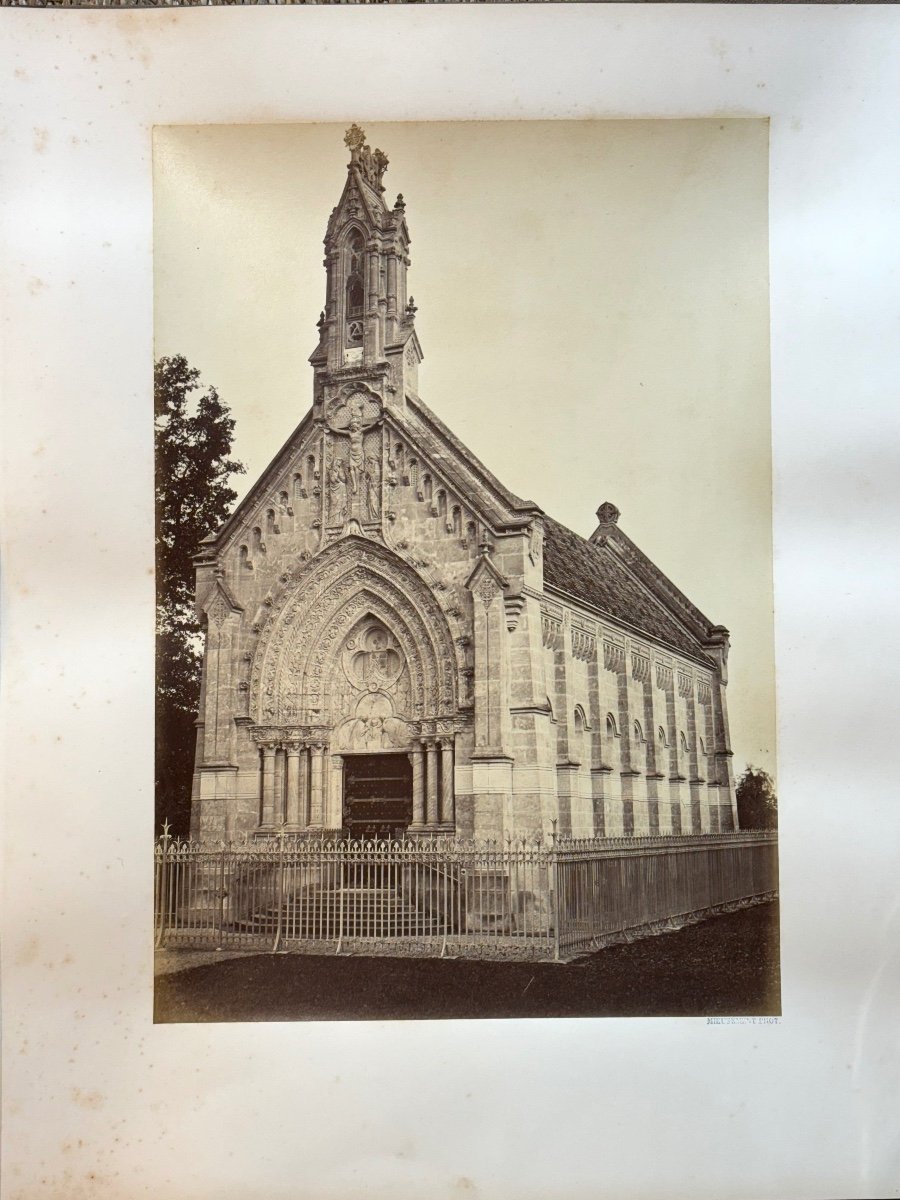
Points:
(726, 965)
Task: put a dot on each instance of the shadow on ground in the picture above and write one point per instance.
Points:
(727, 965)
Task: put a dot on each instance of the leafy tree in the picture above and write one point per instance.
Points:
(193, 436)
(756, 800)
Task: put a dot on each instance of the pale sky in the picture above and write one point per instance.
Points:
(593, 309)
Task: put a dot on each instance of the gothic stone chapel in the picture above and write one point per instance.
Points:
(398, 645)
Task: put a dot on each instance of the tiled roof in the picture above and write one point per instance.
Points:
(593, 575)
(423, 411)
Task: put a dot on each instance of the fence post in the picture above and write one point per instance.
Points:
(554, 890)
(279, 891)
(340, 848)
(220, 900)
(163, 900)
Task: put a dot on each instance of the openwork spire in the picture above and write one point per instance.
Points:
(367, 337)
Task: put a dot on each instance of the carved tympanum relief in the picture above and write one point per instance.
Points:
(371, 699)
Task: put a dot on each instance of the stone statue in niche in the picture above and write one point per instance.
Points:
(355, 457)
(373, 487)
(337, 492)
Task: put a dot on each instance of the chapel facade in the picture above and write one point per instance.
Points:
(397, 645)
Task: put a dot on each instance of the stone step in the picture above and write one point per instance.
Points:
(366, 912)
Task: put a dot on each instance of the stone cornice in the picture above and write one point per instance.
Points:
(616, 623)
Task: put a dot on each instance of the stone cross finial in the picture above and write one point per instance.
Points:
(371, 163)
(354, 138)
(608, 514)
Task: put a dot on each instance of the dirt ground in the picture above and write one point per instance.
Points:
(724, 966)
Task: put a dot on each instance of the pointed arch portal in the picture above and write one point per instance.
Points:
(357, 667)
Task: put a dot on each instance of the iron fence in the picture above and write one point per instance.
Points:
(607, 890)
(447, 897)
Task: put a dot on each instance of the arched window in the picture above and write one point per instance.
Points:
(684, 743)
(356, 299)
(661, 734)
(355, 247)
(356, 291)
(579, 741)
(245, 558)
(638, 732)
(611, 727)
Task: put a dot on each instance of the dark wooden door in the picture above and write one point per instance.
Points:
(377, 796)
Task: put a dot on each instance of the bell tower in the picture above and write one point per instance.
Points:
(367, 338)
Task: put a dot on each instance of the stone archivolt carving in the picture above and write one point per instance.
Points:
(302, 639)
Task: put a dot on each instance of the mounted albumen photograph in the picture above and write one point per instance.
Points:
(465, 694)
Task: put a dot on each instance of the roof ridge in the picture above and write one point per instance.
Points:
(472, 460)
(592, 573)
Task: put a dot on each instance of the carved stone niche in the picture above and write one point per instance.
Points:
(353, 466)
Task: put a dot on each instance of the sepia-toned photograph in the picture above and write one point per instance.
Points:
(465, 670)
(444, 745)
